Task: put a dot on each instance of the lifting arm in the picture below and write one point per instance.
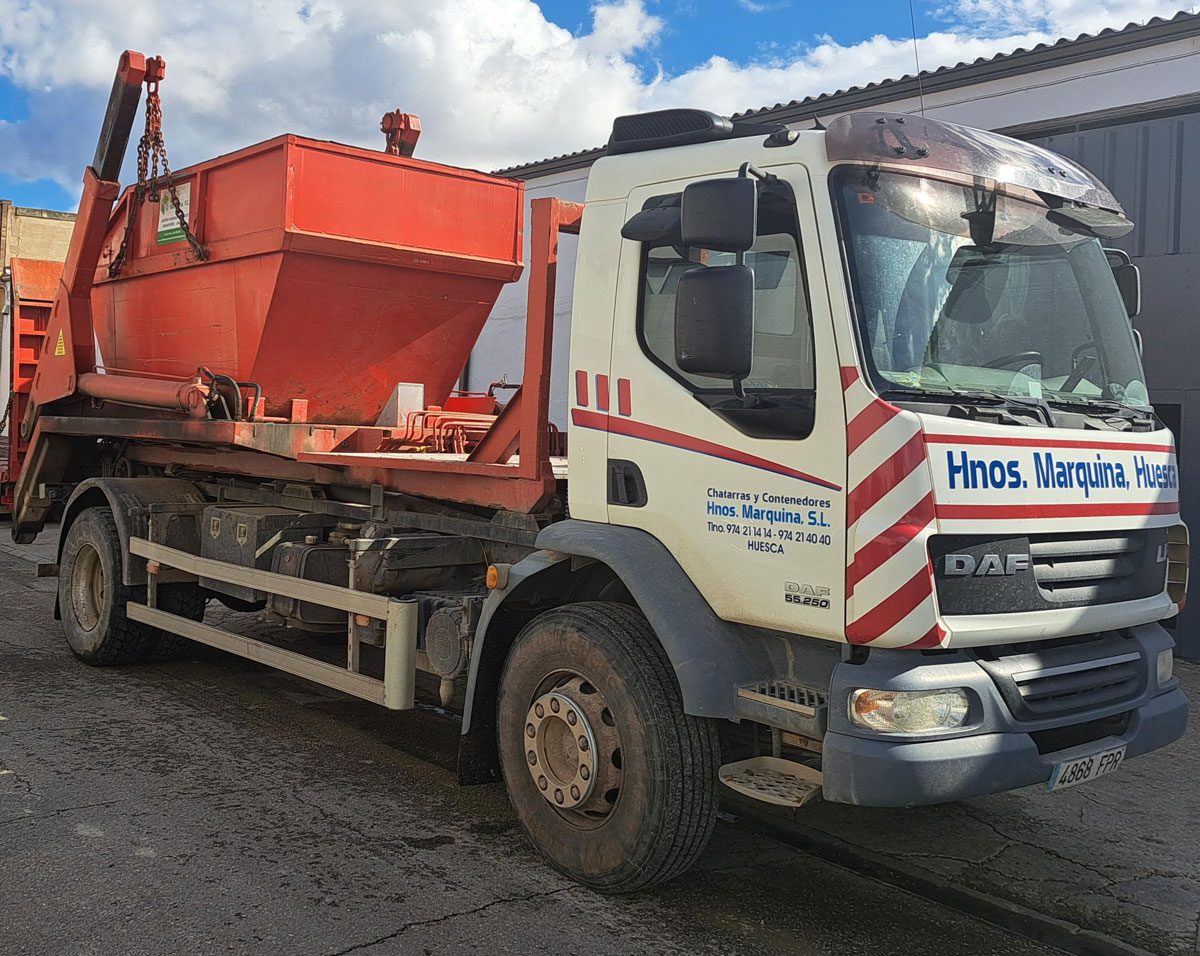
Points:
(70, 343)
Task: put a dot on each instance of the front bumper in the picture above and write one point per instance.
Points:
(886, 773)
(996, 752)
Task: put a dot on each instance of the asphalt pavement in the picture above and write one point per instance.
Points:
(211, 805)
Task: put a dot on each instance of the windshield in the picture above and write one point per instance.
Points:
(966, 289)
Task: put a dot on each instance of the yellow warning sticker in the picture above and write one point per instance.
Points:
(61, 348)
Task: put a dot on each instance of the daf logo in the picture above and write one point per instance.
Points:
(990, 565)
(808, 595)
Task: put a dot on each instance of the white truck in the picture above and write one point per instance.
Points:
(864, 494)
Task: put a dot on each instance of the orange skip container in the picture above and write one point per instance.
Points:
(334, 273)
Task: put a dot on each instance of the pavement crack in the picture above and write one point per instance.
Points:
(59, 811)
(433, 921)
(1012, 841)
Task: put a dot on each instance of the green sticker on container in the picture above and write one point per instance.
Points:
(169, 229)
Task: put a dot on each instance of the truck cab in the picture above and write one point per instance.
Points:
(877, 391)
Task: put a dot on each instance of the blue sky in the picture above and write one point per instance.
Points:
(496, 82)
(748, 30)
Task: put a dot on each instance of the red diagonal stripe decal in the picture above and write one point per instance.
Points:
(849, 376)
(872, 554)
(892, 610)
(931, 638)
(867, 422)
(879, 482)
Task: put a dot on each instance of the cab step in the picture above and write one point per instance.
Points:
(773, 780)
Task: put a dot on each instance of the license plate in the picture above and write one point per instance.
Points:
(1072, 772)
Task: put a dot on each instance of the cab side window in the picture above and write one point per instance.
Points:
(781, 387)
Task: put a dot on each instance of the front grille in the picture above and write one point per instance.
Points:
(1092, 568)
(1066, 677)
(1072, 688)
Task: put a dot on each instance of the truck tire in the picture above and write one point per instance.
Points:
(615, 785)
(92, 598)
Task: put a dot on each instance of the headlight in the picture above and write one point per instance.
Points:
(909, 711)
(1166, 666)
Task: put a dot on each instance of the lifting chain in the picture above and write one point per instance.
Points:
(152, 152)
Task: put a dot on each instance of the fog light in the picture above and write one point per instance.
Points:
(1166, 666)
(909, 711)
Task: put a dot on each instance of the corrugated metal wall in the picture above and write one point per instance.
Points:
(1153, 166)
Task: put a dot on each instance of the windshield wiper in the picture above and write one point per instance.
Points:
(974, 396)
(934, 392)
(1100, 405)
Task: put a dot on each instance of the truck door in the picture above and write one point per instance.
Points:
(748, 494)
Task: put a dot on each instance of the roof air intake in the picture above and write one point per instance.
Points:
(663, 128)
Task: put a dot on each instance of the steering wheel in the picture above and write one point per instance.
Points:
(1016, 360)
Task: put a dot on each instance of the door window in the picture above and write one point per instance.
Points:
(780, 390)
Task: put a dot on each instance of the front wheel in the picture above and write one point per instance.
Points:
(615, 785)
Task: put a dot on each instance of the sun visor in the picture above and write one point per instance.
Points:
(899, 140)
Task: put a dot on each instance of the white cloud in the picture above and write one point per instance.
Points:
(763, 6)
(495, 83)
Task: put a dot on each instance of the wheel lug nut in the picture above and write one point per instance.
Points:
(532, 758)
(583, 744)
(558, 796)
(543, 782)
(539, 710)
(574, 792)
(554, 704)
(584, 772)
(571, 718)
(530, 731)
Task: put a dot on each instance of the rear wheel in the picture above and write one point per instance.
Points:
(92, 598)
(615, 785)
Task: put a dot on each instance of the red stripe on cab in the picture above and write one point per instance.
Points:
(935, 439)
(867, 422)
(892, 610)
(664, 436)
(1090, 510)
(624, 400)
(934, 637)
(876, 551)
(906, 459)
(602, 392)
(581, 388)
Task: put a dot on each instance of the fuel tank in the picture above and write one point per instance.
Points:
(333, 273)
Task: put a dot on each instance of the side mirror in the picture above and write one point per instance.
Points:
(720, 214)
(714, 322)
(1129, 280)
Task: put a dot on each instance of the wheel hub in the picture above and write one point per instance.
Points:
(88, 588)
(572, 748)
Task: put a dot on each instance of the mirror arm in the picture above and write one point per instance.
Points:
(749, 169)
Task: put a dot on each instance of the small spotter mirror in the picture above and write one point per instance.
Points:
(720, 214)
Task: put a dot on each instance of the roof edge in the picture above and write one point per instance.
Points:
(1085, 46)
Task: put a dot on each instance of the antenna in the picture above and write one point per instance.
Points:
(912, 19)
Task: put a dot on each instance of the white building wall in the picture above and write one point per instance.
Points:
(501, 347)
